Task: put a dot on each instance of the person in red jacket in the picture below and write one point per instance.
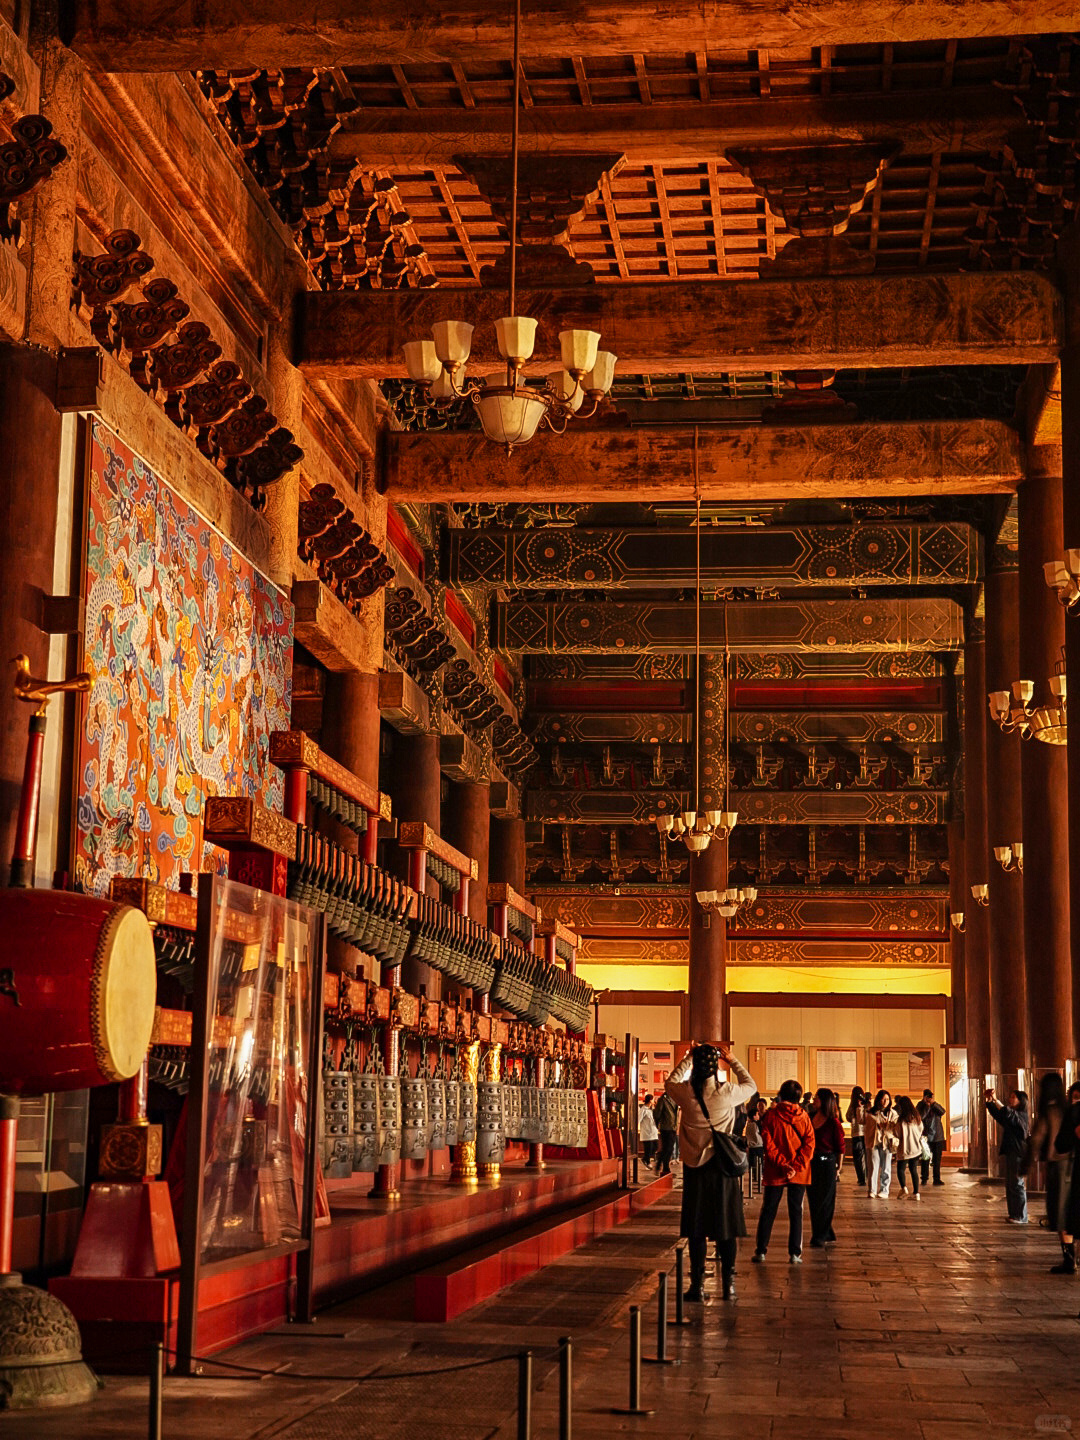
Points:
(788, 1135)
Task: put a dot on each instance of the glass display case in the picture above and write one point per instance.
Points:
(50, 1182)
(256, 1041)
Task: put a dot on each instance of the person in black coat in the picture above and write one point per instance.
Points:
(1068, 1140)
(1014, 1121)
(931, 1113)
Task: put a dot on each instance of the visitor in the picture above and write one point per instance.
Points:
(1049, 1118)
(881, 1141)
(788, 1136)
(1068, 1144)
(910, 1142)
(712, 1206)
(825, 1167)
(666, 1114)
(754, 1144)
(856, 1118)
(932, 1114)
(1014, 1123)
(647, 1131)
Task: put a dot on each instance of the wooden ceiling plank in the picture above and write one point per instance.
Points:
(130, 35)
(677, 132)
(873, 321)
(588, 463)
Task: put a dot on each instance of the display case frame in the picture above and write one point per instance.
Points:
(215, 896)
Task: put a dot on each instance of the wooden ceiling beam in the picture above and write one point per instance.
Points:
(709, 326)
(744, 463)
(149, 35)
(672, 133)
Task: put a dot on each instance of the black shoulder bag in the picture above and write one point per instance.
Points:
(729, 1153)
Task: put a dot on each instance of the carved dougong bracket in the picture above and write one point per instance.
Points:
(554, 193)
(817, 189)
(177, 362)
(28, 158)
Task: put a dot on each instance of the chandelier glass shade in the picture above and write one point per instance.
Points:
(509, 409)
(728, 902)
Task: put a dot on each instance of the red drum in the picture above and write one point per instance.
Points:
(78, 984)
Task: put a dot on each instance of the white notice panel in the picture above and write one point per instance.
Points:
(780, 1065)
(838, 1069)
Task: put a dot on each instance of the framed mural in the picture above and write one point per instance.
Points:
(190, 652)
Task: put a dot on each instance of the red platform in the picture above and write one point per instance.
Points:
(366, 1243)
(447, 1290)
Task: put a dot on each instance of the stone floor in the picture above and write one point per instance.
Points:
(936, 1319)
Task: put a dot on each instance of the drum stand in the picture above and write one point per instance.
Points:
(40, 1352)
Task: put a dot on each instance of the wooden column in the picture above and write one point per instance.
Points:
(1070, 470)
(467, 824)
(977, 919)
(350, 734)
(708, 948)
(1004, 825)
(1045, 774)
(415, 787)
(959, 901)
(506, 859)
(709, 869)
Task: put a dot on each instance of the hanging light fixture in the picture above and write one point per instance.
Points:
(511, 412)
(697, 827)
(727, 903)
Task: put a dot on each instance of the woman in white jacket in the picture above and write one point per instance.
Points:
(881, 1142)
(909, 1144)
(711, 1201)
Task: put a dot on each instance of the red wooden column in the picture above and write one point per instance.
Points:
(708, 1007)
(1004, 824)
(959, 903)
(1045, 775)
(976, 918)
(1070, 471)
(414, 781)
(467, 825)
(507, 852)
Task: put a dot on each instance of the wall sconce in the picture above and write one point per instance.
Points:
(957, 918)
(981, 893)
(1010, 857)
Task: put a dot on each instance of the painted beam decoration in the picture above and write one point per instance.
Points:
(862, 554)
(852, 727)
(597, 627)
(841, 807)
(613, 727)
(627, 908)
(875, 912)
(819, 665)
(838, 952)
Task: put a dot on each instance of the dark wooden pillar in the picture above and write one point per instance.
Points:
(959, 903)
(1070, 487)
(467, 824)
(506, 863)
(30, 430)
(709, 869)
(350, 734)
(1004, 824)
(708, 948)
(414, 783)
(1045, 774)
(976, 917)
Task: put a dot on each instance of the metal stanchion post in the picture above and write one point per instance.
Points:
(524, 1425)
(635, 1170)
(661, 1356)
(634, 1408)
(566, 1386)
(680, 1318)
(157, 1383)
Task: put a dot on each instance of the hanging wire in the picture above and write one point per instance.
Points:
(727, 712)
(514, 158)
(697, 629)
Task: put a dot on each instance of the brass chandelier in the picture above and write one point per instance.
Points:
(511, 412)
(1017, 714)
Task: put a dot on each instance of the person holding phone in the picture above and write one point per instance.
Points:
(1014, 1122)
